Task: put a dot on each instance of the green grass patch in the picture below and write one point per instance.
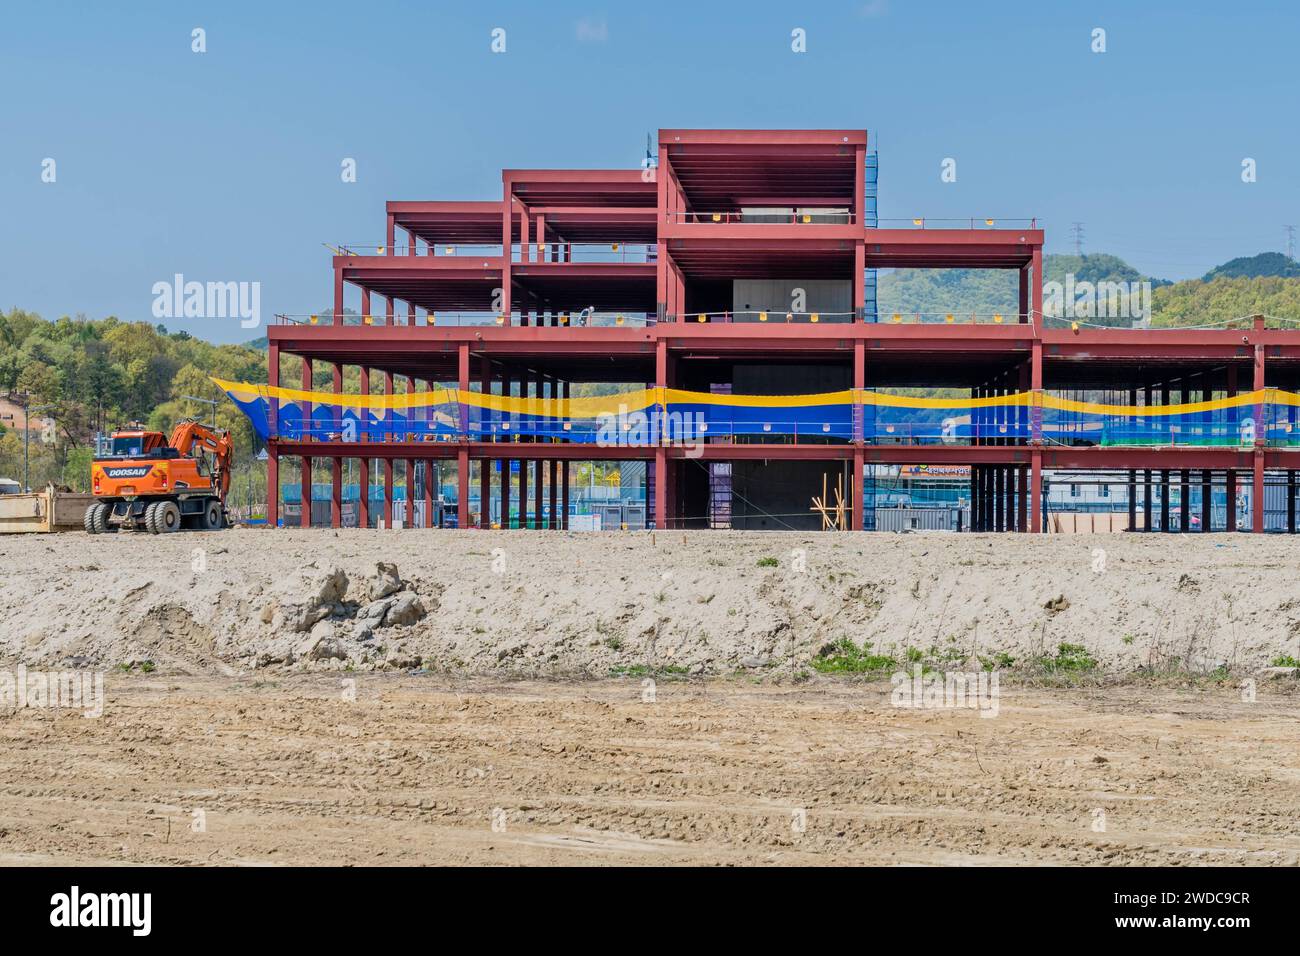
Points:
(1285, 660)
(845, 657)
(768, 562)
(997, 661)
(1069, 657)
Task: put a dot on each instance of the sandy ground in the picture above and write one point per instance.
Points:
(416, 770)
(291, 697)
(533, 604)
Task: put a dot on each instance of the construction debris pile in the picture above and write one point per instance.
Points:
(315, 601)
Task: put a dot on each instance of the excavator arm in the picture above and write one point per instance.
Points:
(191, 435)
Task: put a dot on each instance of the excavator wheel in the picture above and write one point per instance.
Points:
(213, 519)
(92, 522)
(166, 517)
(101, 518)
(150, 513)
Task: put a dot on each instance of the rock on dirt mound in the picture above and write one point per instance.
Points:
(303, 599)
(338, 629)
(386, 581)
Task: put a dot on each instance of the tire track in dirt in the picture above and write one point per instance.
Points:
(412, 770)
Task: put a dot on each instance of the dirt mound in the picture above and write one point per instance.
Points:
(528, 603)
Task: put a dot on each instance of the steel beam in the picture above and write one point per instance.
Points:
(304, 519)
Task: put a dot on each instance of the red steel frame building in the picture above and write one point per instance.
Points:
(687, 210)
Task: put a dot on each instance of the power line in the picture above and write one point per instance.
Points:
(1290, 241)
(1077, 230)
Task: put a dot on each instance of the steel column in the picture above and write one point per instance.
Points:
(410, 467)
(336, 477)
(1256, 494)
(1036, 291)
(1185, 483)
(1147, 504)
(1261, 434)
(552, 522)
(337, 318)
(1230, 478)
(539, 488)
(1023, 302)
(430, 479)
(304, 519)
(462, 456)
(564, 490)
(858, 489)
(1164, 475)
(363, 463)
(507, 234)
(388, 462)
(1022, 525)
(661, 453)
(1207, 483)
(661, 488)
(1036, 491)
(998, 477)
(484, 465)
(272, 449)
(462, 488)
(1022, 511)
(503, 464)
(1291, 501)
(525, 387)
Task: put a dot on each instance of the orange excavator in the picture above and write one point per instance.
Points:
(145, 483)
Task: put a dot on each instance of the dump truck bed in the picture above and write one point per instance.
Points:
(47, 510)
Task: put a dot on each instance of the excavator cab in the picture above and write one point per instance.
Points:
(134, 444)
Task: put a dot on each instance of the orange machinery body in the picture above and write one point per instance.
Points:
(147, 475)
(157, 485)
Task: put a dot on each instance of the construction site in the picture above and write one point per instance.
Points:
(631, 436)
(396, 657)
(711, 320)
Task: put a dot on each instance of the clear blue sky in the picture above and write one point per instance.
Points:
(225, 165)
